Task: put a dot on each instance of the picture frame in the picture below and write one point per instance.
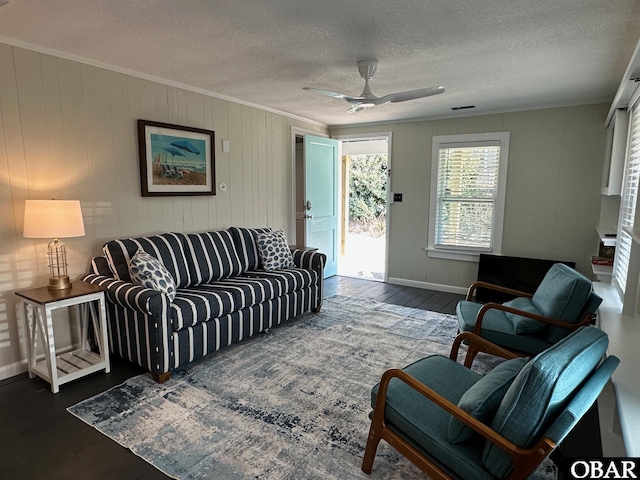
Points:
(175, 160)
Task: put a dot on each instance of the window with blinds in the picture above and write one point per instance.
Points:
(467, 190)
(628, 203)
(468, 204)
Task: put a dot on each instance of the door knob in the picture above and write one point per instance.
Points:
(308, 216)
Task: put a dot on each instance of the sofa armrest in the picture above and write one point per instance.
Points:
(315, 261)
(139, 323)
(141, 299)
(309, 259)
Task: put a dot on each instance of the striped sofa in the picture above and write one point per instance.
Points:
(222, 295)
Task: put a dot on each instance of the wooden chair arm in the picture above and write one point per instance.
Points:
(586, 320)
(525, 459)
(498, 288)
(443, 403)
(478, 344)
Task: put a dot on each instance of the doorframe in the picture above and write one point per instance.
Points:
(366, 137)
(297, 131)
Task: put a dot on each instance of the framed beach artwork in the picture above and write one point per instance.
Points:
(175, 160)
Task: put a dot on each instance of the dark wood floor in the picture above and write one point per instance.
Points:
(41, 440)
(395, 294)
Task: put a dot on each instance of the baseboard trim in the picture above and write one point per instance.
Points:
(13, 369)
(427, 286)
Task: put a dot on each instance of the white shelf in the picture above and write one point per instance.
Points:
(71, 366)
(602, 269)
(605, 236)
(602, 272)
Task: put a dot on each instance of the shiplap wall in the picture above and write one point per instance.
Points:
(68, 130)
(552, 199)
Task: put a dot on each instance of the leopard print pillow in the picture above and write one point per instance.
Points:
(147, 271)
(274, 251)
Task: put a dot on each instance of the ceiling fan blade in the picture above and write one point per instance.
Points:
(409, 95)
(367, 99)
(328, 93)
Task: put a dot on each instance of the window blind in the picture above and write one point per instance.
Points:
(467, 187)
(628, 202)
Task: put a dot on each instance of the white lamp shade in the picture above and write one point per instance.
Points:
(53, 219)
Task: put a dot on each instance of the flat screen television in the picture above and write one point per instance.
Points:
(519, 273)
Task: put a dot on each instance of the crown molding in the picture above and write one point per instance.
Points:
(163, 81)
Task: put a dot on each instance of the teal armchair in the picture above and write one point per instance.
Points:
(531, 323)
(454, 423)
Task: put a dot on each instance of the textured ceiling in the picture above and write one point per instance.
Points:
(499, 55)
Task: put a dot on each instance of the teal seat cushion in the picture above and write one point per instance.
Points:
(497, 328)
(522, 324)
(425, 425)
(541, 389)
(483, 398)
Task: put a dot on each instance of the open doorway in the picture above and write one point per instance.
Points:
(364, 207)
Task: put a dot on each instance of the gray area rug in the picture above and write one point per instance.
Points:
(292, 403)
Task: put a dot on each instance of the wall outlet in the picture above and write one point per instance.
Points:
(397, 197)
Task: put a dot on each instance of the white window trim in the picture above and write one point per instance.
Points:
(469, 254)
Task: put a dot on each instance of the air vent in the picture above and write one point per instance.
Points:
(464, 107)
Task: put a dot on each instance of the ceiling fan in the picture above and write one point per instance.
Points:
(367, 69)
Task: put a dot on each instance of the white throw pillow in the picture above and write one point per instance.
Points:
(147, 271)
(274, 251)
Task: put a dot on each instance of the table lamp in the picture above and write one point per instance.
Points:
(54, 219)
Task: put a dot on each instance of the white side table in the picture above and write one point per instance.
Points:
(38, 305)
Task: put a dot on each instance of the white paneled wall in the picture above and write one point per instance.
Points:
(553, 184)
(68, 130)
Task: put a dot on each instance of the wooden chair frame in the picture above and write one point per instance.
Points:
(497, 306)
(525, 459)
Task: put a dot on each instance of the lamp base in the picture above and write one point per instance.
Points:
(59, 283)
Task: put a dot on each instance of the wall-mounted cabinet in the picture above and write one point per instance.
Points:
(614, 153)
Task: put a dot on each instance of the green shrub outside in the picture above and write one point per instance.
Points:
(368, 194)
